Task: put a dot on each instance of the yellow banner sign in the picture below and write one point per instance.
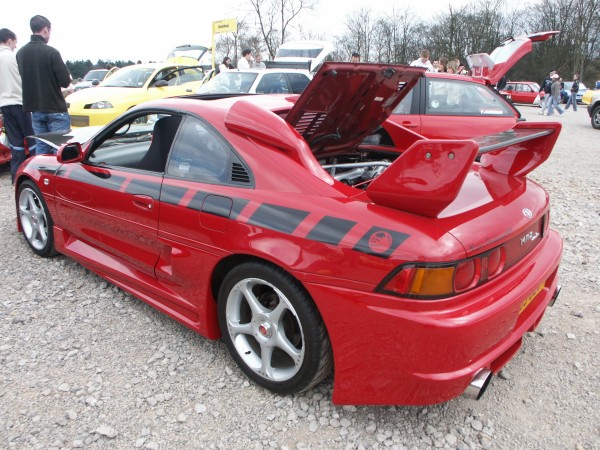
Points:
(225, 26)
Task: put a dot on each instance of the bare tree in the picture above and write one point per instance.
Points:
(274, 18)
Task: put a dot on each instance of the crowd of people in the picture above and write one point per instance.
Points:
(552, 87)
(31, 97)
(247, 61)
(438, 65)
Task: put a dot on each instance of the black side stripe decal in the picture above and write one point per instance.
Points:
(217, 206)
(278, 218)
(197, 200)
(99, 179)
(330, 230)
(144, 188)
(172, 194)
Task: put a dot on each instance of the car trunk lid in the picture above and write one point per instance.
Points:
(494, 66)
(345, 102)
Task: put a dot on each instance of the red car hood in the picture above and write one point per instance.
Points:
(495, 66)
(345, 102)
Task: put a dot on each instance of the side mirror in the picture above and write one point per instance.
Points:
(70, 153)
(161, 83)
(95, 83)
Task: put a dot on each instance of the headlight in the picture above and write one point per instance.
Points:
(99, 105)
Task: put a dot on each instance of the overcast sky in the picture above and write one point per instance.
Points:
(147, 30)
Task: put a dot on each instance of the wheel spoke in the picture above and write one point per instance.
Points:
(275, 314)
(284, 344)
(246, 290)
(237, 328)
(266, 353)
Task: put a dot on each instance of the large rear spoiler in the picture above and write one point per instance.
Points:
(428, 176)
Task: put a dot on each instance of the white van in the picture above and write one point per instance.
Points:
(303, 54)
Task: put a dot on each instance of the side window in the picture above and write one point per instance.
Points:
(142, 143)
(404, 107)
(509, 87)
(272, 83)
(161, 74)
(297, 82)
(199, 154)
(463, 98)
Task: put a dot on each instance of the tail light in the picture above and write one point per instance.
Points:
(434, 281)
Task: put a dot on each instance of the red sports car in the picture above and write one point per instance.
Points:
(448, 106)
(5, 154)
(526, 92)
(271, 222)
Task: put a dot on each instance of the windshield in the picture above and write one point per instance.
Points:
(130, 76)
(298, 52)
(226, 82)
(95, 75)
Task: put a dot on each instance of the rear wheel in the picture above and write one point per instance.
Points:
(596, 117)
(35, 219)
(273, 329)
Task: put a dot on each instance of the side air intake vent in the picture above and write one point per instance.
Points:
(239, 174)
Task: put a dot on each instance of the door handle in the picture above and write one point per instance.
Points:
(409, 125)
(144, 202)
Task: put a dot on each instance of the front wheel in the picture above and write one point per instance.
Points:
(35, 219)
(273, 329)
(596, 117)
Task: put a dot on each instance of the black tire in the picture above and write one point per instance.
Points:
(596, 117)
(35, 219)
(284, 317)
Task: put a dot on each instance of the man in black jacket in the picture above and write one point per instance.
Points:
(573, 94)
(43, 74)
(546, 89)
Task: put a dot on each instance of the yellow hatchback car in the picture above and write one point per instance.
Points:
(130, 86)
(587, 97)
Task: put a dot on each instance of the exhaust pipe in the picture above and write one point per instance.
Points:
(555, 296)
(479, 384)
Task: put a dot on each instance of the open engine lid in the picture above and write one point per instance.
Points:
(345, 102)
(494, 66)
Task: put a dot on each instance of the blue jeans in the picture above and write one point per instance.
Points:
(554, 104)
(572, 99)
(546, 105)
(47, 122)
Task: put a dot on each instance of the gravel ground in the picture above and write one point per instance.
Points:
(85, 365)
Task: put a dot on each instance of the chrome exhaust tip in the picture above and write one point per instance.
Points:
(479, 384)
(555, 296)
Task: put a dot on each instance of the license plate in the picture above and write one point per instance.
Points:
(525, 303)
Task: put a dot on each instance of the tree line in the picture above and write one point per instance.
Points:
(398, 36)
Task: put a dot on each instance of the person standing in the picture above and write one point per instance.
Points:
(555, 94)
(546, 88)
(44, 74)
(423, 61)
(258, 62)
(355, 58)
(246, 60)
(225, 64)
(574, 90)
(17, 123)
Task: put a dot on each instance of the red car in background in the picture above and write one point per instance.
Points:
(524, 92)
(449, 106)
(271, 222)
(5, 155)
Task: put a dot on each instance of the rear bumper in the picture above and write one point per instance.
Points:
(394, 351)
